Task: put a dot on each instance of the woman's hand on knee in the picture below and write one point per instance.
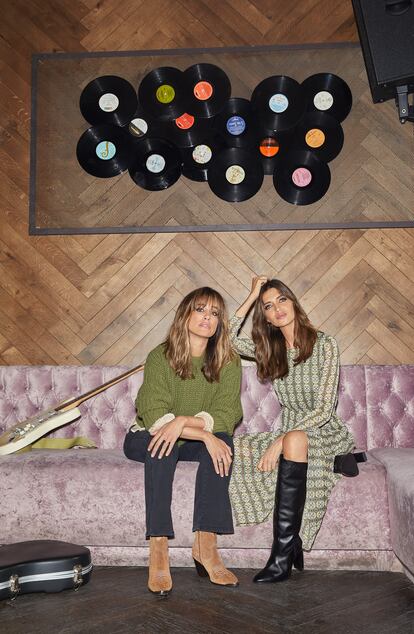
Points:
(165, 439)
(221, 454)
(271, 456)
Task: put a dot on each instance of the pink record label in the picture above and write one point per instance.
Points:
(301, 177)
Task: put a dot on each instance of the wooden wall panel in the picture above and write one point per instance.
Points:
(109, 299)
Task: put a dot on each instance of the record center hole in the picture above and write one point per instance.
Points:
(301, 177)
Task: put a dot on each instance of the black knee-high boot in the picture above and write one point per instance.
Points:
(287, 518)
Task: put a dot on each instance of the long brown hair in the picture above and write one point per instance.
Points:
(271, 355)
(177, 345)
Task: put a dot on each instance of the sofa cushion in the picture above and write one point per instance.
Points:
(399, 464)
(390, 406)
(356, 517)
(97, 497)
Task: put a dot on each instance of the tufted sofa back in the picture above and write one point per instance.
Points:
(376, 402)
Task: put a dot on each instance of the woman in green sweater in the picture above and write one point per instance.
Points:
(303, 364)
(188, 406)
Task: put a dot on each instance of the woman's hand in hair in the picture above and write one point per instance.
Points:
(257, 283)
(165, 439)
(221, 454)
(271, 456)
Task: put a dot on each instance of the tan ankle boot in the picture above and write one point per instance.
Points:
(208, 561)
(159, 580)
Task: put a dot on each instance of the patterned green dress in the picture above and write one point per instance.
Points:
(308, 395)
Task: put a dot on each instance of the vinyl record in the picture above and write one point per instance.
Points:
(104, 150)
(302, 178)
(142, 125)
(235, 174)
(236, 123)
(197, 159)
(328, 93)
(161, 93)
(272, 147)
(108, 99)
(156, 164)
(321, 134)
(278, 102)
(207, 88)
(186, 130)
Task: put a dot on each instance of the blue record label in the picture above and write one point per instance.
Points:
(236, 125)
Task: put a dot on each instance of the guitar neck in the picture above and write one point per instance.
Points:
(75, 402)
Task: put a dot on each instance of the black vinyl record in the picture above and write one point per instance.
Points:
(142, 125)
(185, 131)
(104, 150)
(156, 164)
(236, 123)
(161, 93)
(328, 93)
(302, 178)
(235, 174)
(278, 102)
(197, 159)
(272, 147)
(108, 99)
(321, 134)
(207, 89)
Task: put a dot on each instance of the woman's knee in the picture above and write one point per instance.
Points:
(295, 443)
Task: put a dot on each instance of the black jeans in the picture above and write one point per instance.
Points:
(212, 510)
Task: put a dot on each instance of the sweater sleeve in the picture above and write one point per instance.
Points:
(226, 408)
(242, 345)
(154, 398)
(327, 390)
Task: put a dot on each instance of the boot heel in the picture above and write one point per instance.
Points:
(298, 561)
(202, 572)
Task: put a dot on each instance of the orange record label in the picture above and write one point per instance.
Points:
(269, 147)
(315, 138)
(203, 90)
(185, 121)
(165, 93)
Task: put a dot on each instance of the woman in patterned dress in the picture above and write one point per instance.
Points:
(303, 364)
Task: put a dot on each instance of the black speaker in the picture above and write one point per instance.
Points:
(386, 32)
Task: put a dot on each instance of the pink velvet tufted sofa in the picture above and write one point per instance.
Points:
(95, 497)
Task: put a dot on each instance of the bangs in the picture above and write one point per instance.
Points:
(205, 296)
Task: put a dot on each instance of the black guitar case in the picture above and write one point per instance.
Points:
(42, 566)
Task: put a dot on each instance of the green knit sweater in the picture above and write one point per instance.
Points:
(164, 392)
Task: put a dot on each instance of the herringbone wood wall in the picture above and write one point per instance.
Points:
(109, 299)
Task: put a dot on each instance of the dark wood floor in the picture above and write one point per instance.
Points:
(313, 602)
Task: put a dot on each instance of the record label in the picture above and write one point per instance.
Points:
(105, 150)
(185, 122)
(236, 125)
(155, 163)
(323, 100)
(269, 147)
(202, 154)
(138, 127)
(301, 177)
(235, 174)
(203, 90)
(165, 93)
(278, 103)
(315, 138)
(108, 102)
